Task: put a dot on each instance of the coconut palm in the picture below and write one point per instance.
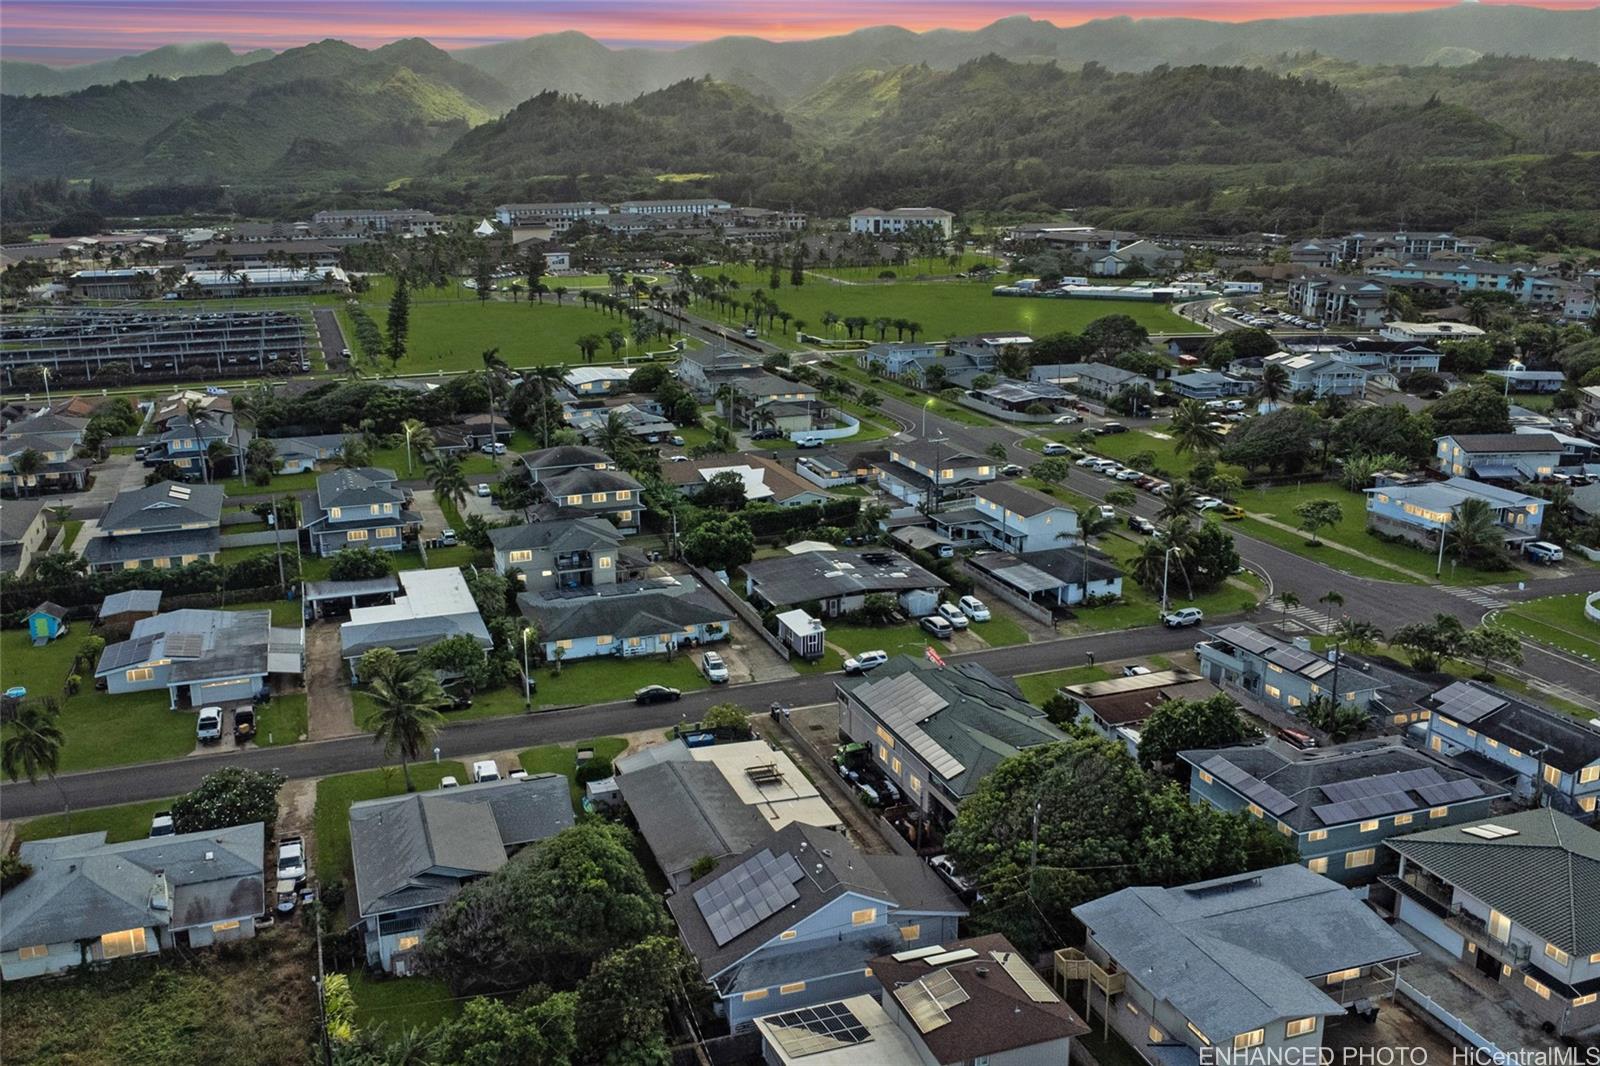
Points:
(1329, 600)
(448, 482)
(1192, 430)
(194, 413)
(1180, 501)
(1287, 601)
(419, 437)
(406, 698)
(615, 438)
(1363, 636)
(544, 379)
(1473, 527)
(1274, 384)
(1091, 523)
(32, 746)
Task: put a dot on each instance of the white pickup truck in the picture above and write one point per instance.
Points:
(292, 859)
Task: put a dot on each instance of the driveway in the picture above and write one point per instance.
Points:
(432, 518)
(749, 658)
(485, 506)
(329, 709)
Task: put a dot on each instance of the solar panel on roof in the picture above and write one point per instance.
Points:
(1467, 703)
(1249, 639)
(924, 1010)
(184, 645)
(945, 989)
(1449, 791)
(1032, 985)
(917, 953)
(1269, 799)
(1380, 784)
(812, 1030)
(748, 894)
(945, 959)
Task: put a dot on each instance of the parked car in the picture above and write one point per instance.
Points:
(291, 859)
(483, 488)
(765, 434)
(447, 539)
(286, 896)
(449, 781)
(750, 331)
(715, 669)
(1135, 671)
(1113, 427)
(677, 458)
(974, 609)
(1147, 483)
(938, 626)
(1207, 503)
(656, 694)
(1231, 511)
(867, 660)
(244, 724)
(1141, 524)
(1298, 738)
(1187, 616)
(485, 770)
(1088, 461)
(1108, 511)
(161, 824)
(676, 439)
(519, 774)
(208, 725)
(1128, 475)
(1056, 448)
(952, 614)
(1542, 551)
(494, 448)
(1066, 420)
(945, 867)
(1012, 470)
(868, 793)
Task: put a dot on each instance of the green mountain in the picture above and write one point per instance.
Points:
(354, 112)
(171, 61)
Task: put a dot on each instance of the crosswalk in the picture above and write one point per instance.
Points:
(1303, 617)
(1482, 595)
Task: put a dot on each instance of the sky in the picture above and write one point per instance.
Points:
(64, 32)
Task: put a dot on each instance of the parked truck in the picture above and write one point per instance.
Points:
(291, 859)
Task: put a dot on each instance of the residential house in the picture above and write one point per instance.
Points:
(1542, 755)
(433, 605)
(704, 370)
(185, 426)
(1589, 410)
(832, 1034)
(205, 657)
(413, 853)
(162, 525)
(900, 220)
(563, 459)
(985, 349)
(1256, 963)
(1101, 381)
(898, 359)
(1498, 456)
(643, 419)
(766, 401)
(1021, 397)
(797, 919)
(1148, 256)
(597, 380)
(1322, 373)
(1284, 674)
(1117, 707)
(1054, 577)
(1512, 902)
(1338, 300)
(1430, 332)
(765, 480)
(1398, 357)
(839, 582)
(1419, 512)
(937, 733)
(1519, 379)
(22, 533)
(925, 472)
(975, 1000)
(638, 618)
(715, 801)
(300, 455)
(1208, 385)
(88, 901)
(595, 492)
(564, 554)
(358, 507)
(55, 438)
(1010, 518)
(121, 610)
(1338, 805)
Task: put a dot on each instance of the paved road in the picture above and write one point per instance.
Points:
(331, 336)
(129, 784)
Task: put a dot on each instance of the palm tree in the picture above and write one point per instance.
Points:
(194, 413)
(495, 371)
(448, 482)
(1472, 525)
(544, 379)
(1363, 636)
(1180, 501)
(1331, 599)
(1192, 430)
(1274, 384)
(32, 747)
(406, 698)
(24, 468)
(1286, 602)
(1091, 523)
(615, 438)
(420, 437)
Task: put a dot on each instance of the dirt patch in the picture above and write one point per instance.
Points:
(329, 710)
(809, 739)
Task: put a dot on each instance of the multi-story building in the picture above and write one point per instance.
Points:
(1498, 456)
(1589, 410)
(1338, 300)
(1419, 511)
(1357, 246)
(1322, 373)
(165, 525)
(1512, 900)
(593, 492)
(575, 553)
(924, 473)
(1010, 518)
(1338, 805)
(547, 463)
(691, 208)
(900, 220)
(1372, 353)
(22, 531)
(359, 507)
(55, 439)
(1543, 756)
(1430, 332)
(703, 370)
(382, 220)
(1471, 275)
(1285, 674)
(521, 214)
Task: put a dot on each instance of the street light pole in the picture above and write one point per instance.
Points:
(527, 690)
(1166, 571)
(1439, 567)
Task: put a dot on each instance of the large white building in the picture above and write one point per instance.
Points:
(900, 220)
(515, 214)
(671, 207)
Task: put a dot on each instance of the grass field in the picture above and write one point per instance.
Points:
(1001, 630)
(130, 821)
(1140, 607)
(283, 721)
(563, 759)
(1039, 687)
(943, 308)
(400, 1003)
(1558, 621)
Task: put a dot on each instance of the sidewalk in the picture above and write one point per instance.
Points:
(1268, 520)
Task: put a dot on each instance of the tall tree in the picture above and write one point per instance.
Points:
(1192, 430)
(32, 746)
(399, 322)
(1178, 725)
(406, 697)
(448, 482)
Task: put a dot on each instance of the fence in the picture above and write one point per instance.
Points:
(851, 426)
(995, 411)
(741, 609)
(1451, 1022)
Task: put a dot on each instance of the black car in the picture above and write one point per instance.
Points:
(1113, 427)
(765, 434)
(656, 694)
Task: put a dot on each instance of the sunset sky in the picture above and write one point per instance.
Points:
(73, 31)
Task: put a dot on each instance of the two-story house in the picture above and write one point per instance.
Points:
(186, 424)
(1255, 964)
(1322, 373)
(1011, 518)
(413, 853)
(938, 733)
(704, 370)
(896, 359)
(584, 381)
(1101, 381)
(564, 459)
(1208, 385)
(1498, 456)
(1513, 901)
(767, 401)
(1545, 757)
(359, 507)
(594, 492)
(1589, 409)
(1117, 707)
(1419, 512)
(55, 439)
(797, 919)
(1338, 805)
(1282, 673)
(22, 532)
(163, 525)
(923, 473)
(563, 554)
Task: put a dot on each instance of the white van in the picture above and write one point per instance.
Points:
(1542, 551)
(485, 771)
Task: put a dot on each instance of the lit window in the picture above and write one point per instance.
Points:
(791, 988)
(788, 934)
(1499, 927)
(603, 639)
(1492, 742)
(521, 556)
(1318, 866)
(1317, 834)
(1207, 778)
(1356, 859)
(597, 497)
(1561, 957)
(625, 516)
(1283, 827)
(865, 916)
(1339, 977)
(1402, 819)
(1537, 988)
(406, 943)
(916, 783)
(1588, 775)
(624, 494)
(885, 736)
(1300, 1027)
(1586, 803)
(1584, 1001)
(224, 927)
(127, 942)
(1552, 776)
(1369, 826)
(1203, 1038)
(356, 534)
(1438, 812)
(374, 509)
(895, 764)
(575, 500)
(1513, 752)
(1294, 701)
(388, 508)
(335, 512)
(1274, 691)
(1255, 810)
(144, 673)
(564, 645)
(37, 951)
(910, 932)
(1254, 1038)
(883, 753)
(384, 532)
(1156, 1035)
(162, 564)
(760, 993)
(604, 562)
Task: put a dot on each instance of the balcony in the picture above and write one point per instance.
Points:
(1072, 964)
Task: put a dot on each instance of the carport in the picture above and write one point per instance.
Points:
(345, 596)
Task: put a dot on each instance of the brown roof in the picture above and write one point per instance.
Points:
(998, 1014)
(1131, 708)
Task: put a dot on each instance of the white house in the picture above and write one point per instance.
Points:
(1011, 518)
(900, 220)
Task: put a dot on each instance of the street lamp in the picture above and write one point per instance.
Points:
(925, 407)
(527, 687)
(1166, 571)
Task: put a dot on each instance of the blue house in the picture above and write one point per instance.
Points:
(46, 622)
(1418, 512)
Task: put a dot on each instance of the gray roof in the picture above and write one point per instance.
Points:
(368, 586)
(1019, 500)
(961, 721)
(1342, 784)
(164, 505)
(16, 516)
(355, 486)
(563, 456)
(627, 614)
(1237, 953)
(558, 535)
(586, 480)
(787, 579)
(1050, 569)
(1506, 442)
(82, 888)
(937, 456)
(1559, 739)
(202, 644)
(140, 600)
(1546, 876)
(687, 810)
(417, 850)
(156, 545)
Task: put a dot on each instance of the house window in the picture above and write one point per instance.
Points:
(1537, 988)
(625, 516)
(1356, 859)
(1318, 866)
(883, 753)
(521, 556)
(1513, 752)
(1369, 826)
(1274, 691)
(187, 559)
(1586, 803)
(788, 934)
(1552, 776)
(374, 509)
(575, 499)
(388, 508)
(1561, 957)
(224, 927)
(384, 532)
(162, 563)
(864, 916)
(37, 951)
(1203, 1038)
(895, 764)
(1499, 927)
(633, 642)
(564, 645)
(1584, 1001)
(751, 997)
(1317, 834)
(356, 535)
(791, 988)
(885, 736)
(1283, 827)
(336, 512)
(1493, 743)
(1207, 778)
(910, 932)
(624, 494)
(1254, 1038)
(1255, 810)
(603, 639)
(143, 673)
(916, 783)
(1438, 812)
(604, 562)
(1402, 819)
(1589, 775)
(127, 942)
(597, 497)
(1294, 701)
(1339, 977)
(1300, 1027)
(406, 943)
(1156, 1035)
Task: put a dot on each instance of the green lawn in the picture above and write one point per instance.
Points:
(563, 760)
(1001, 630)
(302, 482)
(336, 794)
(101, 730)
(399, 1003)
(472, 463)
(943, 308)
(906, 638)
(1558, 621)
(1169, 464)
(283, 721)
(1039, 687)
(286, 614)
(130, 821)
(1140, 608)
(845, 367)
(831, 660)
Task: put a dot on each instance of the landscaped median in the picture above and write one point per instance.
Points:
(1557, 621)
